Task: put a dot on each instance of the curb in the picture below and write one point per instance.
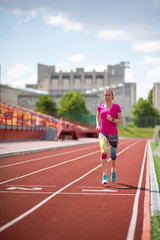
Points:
(155, 197)
(42, 149)
(146, 234)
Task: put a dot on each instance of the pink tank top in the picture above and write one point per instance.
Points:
(108, 127)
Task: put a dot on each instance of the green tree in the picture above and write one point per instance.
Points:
(150, 96)
(46, 105)
(72, 103)
(144, 114)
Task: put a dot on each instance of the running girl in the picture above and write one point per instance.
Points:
(109, 114)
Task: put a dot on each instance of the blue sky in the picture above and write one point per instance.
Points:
(72, 34)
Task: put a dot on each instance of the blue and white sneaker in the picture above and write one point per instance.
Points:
(104, 179)
(113, 176)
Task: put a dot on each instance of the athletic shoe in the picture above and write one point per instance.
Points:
(113, 176)
(105, 179)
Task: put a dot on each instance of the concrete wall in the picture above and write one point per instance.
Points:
(156, 96)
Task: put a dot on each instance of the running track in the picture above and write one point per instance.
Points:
(58, 194)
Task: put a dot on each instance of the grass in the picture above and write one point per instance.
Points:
(155, 226)
(134, 132)
(155, 220)
(154, 146)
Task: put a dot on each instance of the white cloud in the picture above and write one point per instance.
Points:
(24, 16)
(146, 88)
(62, 67)
(77, 57)
(17, 12)
(20, 75)
(98, 68)
(154, 75)
(113, 34)
(62, 21)
(146, 47)
(129, 75)
(150, 60)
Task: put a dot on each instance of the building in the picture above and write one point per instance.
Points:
(60, 82)
(89, 84)
(23, 97)
(156, 95)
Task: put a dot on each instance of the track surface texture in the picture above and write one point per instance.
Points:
(58, 195)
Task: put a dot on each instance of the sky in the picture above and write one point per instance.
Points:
(89, 34)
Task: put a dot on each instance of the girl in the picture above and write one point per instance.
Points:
(109, 114)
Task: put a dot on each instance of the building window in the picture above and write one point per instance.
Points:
(99, 76)
(54, 77)
(77, 77)
(88, 76)
(66, 77)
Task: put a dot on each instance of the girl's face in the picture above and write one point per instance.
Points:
(108, 96)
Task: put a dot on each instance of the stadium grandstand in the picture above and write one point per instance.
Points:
(17, 123)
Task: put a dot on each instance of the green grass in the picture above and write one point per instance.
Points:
(156, 160)
(134, 132)
(155, 220)
(155, 226)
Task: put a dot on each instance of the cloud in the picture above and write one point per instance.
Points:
(146, 88)
(154, 74)
(113, 34)
(24, 16)
(129, 75)
(150, 60)
(142, 22)
(19, 12)
(98, 68)
(147, 47)
(61, 20)
(20, 75)
(62, 67)
(77, 57)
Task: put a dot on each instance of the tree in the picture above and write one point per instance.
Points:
(72, 103)
(46, 105)
(144, 114)
(150, 96)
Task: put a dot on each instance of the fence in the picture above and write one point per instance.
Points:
(149, 121)
(82, 118)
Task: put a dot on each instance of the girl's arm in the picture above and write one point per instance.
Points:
(119, 120)
(98, 121)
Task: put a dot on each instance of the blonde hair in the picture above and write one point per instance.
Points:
(109, 90)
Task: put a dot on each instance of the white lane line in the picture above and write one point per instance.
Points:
(132, 227)
(42, 186)
(73, 193)
(117, 187)
(56, 165)
(98, 190)
(25, 189)
(48, 156)
(53, 195)
(99, 193)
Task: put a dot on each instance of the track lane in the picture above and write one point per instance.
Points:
(17, 160)
(91, 180)
(32, 167)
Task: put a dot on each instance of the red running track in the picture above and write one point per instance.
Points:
(58, 194)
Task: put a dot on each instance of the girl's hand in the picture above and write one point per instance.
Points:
(109, 117)
(98, 128)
